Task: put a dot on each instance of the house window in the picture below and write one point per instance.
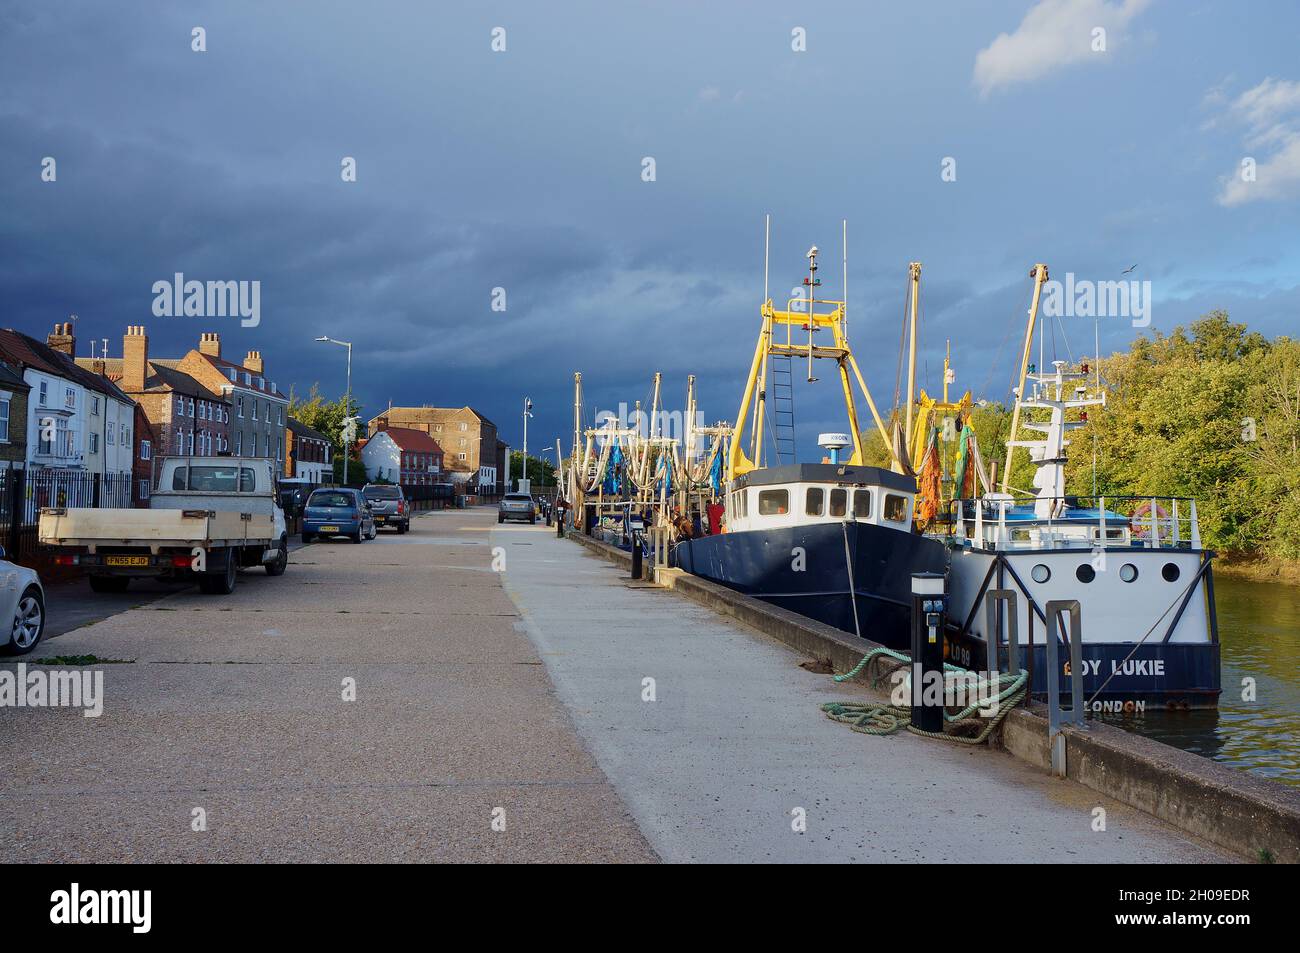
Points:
(144, 489)
(191, 408)
(254, 408)
(45, 393)
(69, 398)
(180, 441)
(464, 426)
(146, 449)
(279, 448)
(94, 438)
(126, 436)
(460, 456)
(239, 443)
(279, 416)
(94, 406)
(239, 406)
(266, 445)
(94, 442)
(190, 442)
(4, 420)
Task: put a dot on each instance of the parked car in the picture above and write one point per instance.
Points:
(337, 511)
(389, 505)
(517, 506)
(22, 601)
(208, 518)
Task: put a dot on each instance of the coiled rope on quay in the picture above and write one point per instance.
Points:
(874, 718)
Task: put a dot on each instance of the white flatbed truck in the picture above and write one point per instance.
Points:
(208, 518)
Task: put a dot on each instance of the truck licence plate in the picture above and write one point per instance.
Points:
(329, 529)
(126, 560)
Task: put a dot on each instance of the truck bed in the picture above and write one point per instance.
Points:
(90, 527)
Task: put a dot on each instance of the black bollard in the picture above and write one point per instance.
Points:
(559, 525)
(636, 555)
(928, 607)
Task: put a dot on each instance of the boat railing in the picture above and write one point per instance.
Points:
(1146, 522)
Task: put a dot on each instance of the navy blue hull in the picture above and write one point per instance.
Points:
(1157, 675)
(804, 569)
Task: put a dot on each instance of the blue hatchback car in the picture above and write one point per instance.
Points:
(337, 511)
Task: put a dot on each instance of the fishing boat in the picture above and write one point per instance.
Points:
(1135, 565)
(834, 541)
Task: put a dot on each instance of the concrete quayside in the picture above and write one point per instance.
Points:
(517, 697)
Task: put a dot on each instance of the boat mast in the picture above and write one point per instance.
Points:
(1039, 274)
(914, 288)
(801, 311)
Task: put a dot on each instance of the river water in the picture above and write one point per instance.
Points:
(1259, 635)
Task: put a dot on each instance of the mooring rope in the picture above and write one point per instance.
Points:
(878, 718)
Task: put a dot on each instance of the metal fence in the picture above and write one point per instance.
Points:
(23, 493)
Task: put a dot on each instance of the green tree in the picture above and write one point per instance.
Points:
(540, 470)
(328, 416)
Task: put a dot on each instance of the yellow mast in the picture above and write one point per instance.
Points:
(1039, 274)
(754, 396)
(914, 287)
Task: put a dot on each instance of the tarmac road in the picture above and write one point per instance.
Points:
(233, 706)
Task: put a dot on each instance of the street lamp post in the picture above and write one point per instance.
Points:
(528, 412)
(347, 404)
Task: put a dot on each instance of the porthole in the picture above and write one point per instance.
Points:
(1040, 573)
(1128, 572)
(1171, 572)
(1085, 573)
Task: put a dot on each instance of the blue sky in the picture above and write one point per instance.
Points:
(522, 169)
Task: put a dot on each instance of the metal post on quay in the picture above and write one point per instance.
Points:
(928, 609)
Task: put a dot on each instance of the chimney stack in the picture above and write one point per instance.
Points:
(135, 359)
(254, 362)
(210, 344)
(381, 424)
(62, 340)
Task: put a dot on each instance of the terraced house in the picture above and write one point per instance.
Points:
(258, 411)
(77, 420)
(184, 416)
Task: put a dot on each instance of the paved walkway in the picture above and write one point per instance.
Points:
(734, 742)
(234, 705)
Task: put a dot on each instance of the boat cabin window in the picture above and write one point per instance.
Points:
(895, 508)
(773, 502)
(861, 504)
(839, 502)
(814, 501)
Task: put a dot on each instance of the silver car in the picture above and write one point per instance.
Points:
(22, 602)
(517, 506)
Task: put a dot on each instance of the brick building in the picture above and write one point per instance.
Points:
(258, 411)
(467, 439)
(185, 417)
(13, 418)
(309, 454)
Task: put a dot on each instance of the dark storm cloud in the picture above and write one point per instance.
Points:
(522, 170)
